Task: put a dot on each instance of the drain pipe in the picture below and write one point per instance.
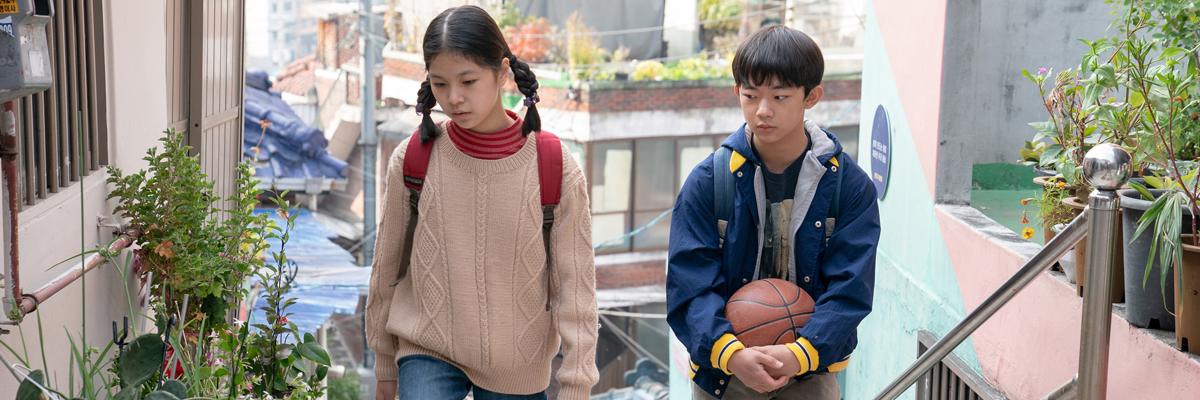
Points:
(30, 301)
(8, 152)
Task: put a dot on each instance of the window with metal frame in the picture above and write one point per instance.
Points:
(66, 126)
(634, 181)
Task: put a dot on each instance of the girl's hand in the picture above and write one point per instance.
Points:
(385, 390)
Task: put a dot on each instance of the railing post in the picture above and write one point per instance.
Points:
(1106, 167)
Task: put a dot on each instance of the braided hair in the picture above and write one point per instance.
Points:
(477, 38)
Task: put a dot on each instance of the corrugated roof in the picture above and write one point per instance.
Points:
(327, 278)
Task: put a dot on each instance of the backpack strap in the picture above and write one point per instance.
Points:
(416, 164)
(724, 187)
(835, 208)
(550, 166)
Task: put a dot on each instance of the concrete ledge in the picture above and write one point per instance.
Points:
(1030, 346)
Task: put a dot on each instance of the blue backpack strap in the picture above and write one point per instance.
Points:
(835, 208)
(723, 189)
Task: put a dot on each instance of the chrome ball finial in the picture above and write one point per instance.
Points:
(1107, 166)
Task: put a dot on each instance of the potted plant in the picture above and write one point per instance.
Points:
(1073, 128)
(1157, 117)
(252, 360)
(193, 254)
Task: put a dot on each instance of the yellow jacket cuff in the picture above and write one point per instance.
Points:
(806, 354)
(723, 350)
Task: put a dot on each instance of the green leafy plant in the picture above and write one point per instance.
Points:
(1072, 128)
(1035, 154)
(345, 388)
(695, 68)
(247, 363)
(1051, 210)
(722, 21)
(647, 71)
(191, 250)
(583, 49)
(1149, 83)
(508, 15)
(282, 366)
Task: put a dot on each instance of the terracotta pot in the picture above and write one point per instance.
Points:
(1081, 268)
(1187, 299)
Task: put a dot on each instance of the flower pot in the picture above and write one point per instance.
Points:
(1047, 228)
(1081, 267)
(1187, 299)
(1079, 191)
(1144, 304)
(1067, 262)
(1044, 171)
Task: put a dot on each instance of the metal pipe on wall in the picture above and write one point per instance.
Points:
(8, 152)
(30, 301)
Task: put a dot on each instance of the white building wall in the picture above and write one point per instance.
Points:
(50, 231)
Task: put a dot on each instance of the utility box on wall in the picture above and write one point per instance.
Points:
(25, 66)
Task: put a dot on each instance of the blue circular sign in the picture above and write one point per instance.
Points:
(881, 151)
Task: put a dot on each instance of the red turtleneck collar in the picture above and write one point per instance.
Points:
(488, 146)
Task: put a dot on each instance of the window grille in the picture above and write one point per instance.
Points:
(73, 113)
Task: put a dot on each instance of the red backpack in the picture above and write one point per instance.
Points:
(549, 158)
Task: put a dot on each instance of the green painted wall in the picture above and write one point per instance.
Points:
(915, 284)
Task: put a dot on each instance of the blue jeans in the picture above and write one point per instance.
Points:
(423, 377)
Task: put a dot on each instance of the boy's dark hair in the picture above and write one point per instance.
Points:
(779, 52)
(470, 32)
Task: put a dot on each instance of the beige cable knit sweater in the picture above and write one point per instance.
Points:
(475, 293)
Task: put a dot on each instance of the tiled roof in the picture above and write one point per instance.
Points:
(279, 142)
(297, 77)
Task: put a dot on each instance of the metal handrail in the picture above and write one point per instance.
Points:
(1107, 168)
(1060, 245)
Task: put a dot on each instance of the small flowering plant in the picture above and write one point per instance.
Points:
(1050, 208)
(275, 352)
(268, 360)
(1134, 89)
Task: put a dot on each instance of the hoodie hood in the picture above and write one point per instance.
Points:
(823, 144)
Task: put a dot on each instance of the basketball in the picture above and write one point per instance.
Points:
(768, 311)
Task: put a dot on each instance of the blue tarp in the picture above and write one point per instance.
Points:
(290, 148)
(328, 280)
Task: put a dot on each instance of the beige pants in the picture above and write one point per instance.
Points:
(823, 386)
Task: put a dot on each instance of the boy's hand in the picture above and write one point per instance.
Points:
(791, 365)
(750, 366)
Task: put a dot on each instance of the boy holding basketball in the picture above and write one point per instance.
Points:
(780, 201)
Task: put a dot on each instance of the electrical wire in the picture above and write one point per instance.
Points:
(618, 313)
(637, 348)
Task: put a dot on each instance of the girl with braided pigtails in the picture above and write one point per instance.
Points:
(483, 260)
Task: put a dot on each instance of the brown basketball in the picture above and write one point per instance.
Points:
(768, 311)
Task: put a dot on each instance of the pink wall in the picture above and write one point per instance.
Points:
(914, 33)
(1031, 346)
